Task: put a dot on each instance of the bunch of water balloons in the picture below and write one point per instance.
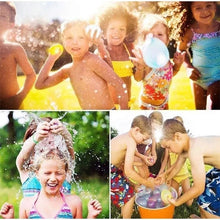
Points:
(154, 199)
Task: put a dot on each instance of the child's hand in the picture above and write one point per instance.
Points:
(94, 208)
(42, 131)
(7, 211)
(160, 179)
(94, 33)
(193, 73)
(173, 202)
(150, 183)
(150, 160)
(56, 126)
(138, 59)
(179, 58)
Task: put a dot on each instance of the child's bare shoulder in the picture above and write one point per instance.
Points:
(14, 47)
(28, 201)
(123, 139)
(93, 59)
(73, 199)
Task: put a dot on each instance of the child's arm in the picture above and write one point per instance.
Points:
(178, 59)
(199, 176)
(28, 146)
(101, 68)
(45, 80)
(141, 69)
(128, 166)
(95, 35)
(183, 45)
(7, 211)
(24, 204)
(147, 159)
(28, 70)
(94, 208)
(164, 162)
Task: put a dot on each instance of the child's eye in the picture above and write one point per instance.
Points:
(209, 6)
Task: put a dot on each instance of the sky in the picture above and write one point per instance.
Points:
(28, 11)
(199, 122)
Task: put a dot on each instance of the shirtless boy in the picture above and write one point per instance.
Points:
(123, 151)
(89, 74)
(11, 55)
(200, 151)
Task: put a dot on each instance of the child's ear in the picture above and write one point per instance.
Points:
(177, 136)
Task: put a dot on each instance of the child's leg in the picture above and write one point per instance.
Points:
(214, 95)
(143, 170)
(175, 185)
(186, 186)
(127, 209)
(200, 96)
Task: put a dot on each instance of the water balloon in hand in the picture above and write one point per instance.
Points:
(155, 52)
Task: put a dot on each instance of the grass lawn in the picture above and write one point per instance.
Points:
(62, 96)
(92, 188)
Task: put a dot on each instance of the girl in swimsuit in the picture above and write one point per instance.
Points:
(156, 82)
(51, 168)
(201, 33)
(119, 27)
(48, 130)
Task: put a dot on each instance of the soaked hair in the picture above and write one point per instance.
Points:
(170, 127)
(149, 21)
(69, 24)
(50, 154)
(11, 8)
(33, 127)
(143, 123)
(119, 10)
(157, 116)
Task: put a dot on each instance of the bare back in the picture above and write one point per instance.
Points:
(8, 80)
(89, 79)
(206, 148)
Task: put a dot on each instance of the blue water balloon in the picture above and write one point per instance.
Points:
(155, 52)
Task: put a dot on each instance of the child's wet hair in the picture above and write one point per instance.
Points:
(143, 123)
(50, 154)
(11, 8)
(33, 127)
(119, 10)
(149, 21)
(170, 127)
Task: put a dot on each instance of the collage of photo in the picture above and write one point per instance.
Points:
(109, 109)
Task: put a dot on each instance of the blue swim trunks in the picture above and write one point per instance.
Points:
(210, 199)
(121, 190)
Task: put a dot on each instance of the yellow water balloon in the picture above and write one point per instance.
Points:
(55, 49)
(166, 195)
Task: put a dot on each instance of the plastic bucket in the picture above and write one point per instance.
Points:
(164, 212)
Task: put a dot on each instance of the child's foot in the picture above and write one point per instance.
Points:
(194, 216)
